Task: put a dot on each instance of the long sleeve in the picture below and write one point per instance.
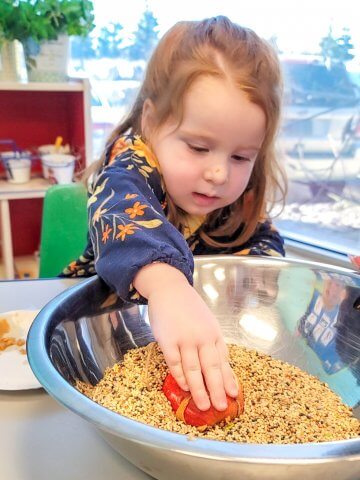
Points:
(127, 226)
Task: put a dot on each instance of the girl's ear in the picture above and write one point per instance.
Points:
(147, 118)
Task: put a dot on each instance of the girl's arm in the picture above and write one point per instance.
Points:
(188, 335)
(128, 228)
(135, 244)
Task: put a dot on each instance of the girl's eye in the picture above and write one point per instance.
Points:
(241, 158)
(195, 148)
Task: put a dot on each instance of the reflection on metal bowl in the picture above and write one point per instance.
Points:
(303, 313)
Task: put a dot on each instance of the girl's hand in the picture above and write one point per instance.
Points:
(188, 335)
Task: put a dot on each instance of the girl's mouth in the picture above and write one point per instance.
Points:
(204, 200)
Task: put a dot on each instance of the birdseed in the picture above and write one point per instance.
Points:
(283, 404)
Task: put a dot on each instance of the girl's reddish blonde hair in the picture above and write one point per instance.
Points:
(223, 49)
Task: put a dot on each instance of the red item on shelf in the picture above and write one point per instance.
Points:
(185, 409)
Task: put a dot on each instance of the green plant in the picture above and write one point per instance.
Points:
(41, 20)
(19, 21)
(72, 17)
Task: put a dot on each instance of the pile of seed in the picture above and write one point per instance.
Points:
(283, 404)
(7, 342)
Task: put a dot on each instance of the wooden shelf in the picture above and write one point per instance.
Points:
(25, 267)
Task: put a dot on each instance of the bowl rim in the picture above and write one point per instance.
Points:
(140, 433)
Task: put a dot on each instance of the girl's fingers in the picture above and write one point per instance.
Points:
(173, 359)
(194, 378)
(211, 365)
(231, 384)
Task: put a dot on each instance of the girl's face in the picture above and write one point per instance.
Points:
(206, 162)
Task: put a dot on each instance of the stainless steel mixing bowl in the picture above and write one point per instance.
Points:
(303, 313)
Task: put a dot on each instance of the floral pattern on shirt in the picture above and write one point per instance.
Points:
(119, 225)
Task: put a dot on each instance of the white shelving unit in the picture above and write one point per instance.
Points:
(71, 86)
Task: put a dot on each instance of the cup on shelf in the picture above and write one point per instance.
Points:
(17, 166)
(18, 171)
(58, 167)
(51, 149)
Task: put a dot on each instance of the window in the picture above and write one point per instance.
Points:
(320, 140)
(319, 49)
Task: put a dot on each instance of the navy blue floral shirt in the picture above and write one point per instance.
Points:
(128, 228)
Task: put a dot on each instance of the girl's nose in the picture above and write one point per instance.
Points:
(217, 173)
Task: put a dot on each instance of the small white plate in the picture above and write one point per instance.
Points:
(15, 371)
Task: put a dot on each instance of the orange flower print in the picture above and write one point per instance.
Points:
(106, 233)
(142, 150)
(128, 229)
(72, 266)
(246, 251)
(129, 196)
(119, 146)
(135, 210)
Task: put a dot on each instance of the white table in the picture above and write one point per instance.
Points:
(39, 438)
(36, 188)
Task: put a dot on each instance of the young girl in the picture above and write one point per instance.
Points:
(190, 171)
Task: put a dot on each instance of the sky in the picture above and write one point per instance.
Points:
(298, 26)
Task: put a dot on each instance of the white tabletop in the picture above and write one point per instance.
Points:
(39, 438)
